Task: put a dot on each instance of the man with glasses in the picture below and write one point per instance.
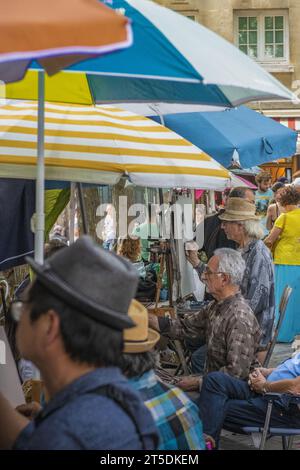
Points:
(227, 324)
(71, 326)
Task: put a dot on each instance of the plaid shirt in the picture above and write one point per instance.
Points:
(229, 329)
(175, 415)
(258, 286)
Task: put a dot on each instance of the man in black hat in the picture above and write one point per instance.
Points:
(71, 324)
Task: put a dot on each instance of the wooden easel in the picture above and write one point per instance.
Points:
(165, 263)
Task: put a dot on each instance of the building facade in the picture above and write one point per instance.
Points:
(268, 31)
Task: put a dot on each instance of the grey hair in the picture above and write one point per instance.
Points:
(253, 228)
(135, 365)
(232, 263)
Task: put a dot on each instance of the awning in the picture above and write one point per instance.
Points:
(292, 123)
(101, 144)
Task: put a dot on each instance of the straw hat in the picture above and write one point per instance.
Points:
(140, 338)
(238, 209)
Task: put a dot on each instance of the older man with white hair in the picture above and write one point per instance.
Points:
(227, 324)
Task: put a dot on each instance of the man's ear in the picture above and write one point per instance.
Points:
(51, 326)
(226, 278)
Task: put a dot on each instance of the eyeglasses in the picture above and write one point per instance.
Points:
(16, 309)
(207, 274)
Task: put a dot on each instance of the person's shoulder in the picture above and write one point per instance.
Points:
(214, 214)
(264, 252)
(89, 422)
(272, 207)
(240, 307)
(212, 220)
(260, 249)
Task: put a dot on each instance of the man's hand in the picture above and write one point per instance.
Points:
(153, 322)
(30, 410)
(192, 257)
(257, 381)
(189, 383)
(12, 423)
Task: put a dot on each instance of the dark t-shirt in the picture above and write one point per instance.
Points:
(214, 235)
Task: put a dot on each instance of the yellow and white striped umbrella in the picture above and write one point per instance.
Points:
(101, 144)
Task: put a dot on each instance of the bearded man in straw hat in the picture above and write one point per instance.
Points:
(242, 225)
(70, 325)
(175, 415)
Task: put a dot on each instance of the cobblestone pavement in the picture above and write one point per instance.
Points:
(230, 441)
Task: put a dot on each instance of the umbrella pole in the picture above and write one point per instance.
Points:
(40, 178)
(72, 214)
(82, 209)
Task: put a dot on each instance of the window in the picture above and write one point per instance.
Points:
(263, 35)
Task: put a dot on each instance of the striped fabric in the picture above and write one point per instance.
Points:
(291, 123)
(175, 415)
(99, 145)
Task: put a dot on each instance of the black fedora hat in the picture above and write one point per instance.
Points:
(96, 282)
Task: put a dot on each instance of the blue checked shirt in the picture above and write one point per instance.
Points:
(175, 415)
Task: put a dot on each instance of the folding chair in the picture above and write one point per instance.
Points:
(282, 309)
(287, 434)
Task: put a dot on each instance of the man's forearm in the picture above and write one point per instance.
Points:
(12, 423)
(166, 326)
(170, 328)
(291, 386)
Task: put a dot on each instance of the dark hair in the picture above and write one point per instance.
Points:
(277, 186)
(240, 191)
(288, 196)
(135, 365)
(283, 179)
(84, 339)
(53, 246)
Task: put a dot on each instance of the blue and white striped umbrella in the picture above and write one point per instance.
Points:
(174, 59)
(173, 62)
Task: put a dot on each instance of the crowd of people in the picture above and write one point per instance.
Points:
(95, 345)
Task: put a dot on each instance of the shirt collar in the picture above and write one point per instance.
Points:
(147, 380)
(229, 299)
(248, 247)
(84, 384)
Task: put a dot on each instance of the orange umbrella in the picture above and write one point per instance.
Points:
(57, 33)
